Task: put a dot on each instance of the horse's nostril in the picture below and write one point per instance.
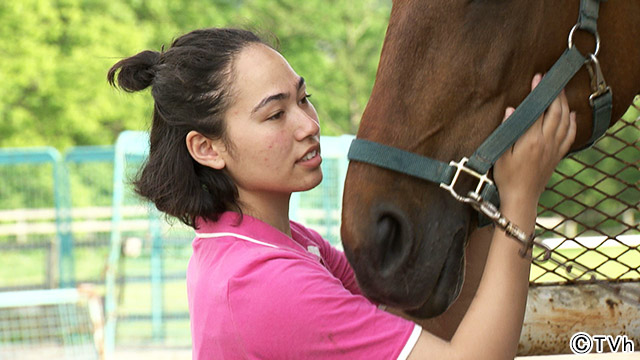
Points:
(390, 240)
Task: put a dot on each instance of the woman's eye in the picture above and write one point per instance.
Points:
(276, 116)
(305, 99)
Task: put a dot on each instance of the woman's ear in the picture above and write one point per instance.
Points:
(205, 151)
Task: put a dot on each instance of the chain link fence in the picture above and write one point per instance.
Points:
(589, 212)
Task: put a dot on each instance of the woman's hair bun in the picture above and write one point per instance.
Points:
(136, 72)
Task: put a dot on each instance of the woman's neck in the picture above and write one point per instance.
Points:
(272, 208)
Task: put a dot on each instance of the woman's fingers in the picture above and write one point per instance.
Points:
(534, 82)
(570, 136)
(530, 163)
(565, 102)
(556, 122)
(553, 132)
(555, 114)
(508, 113)
(536, 128)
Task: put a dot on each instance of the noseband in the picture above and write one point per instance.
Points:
(484, 198)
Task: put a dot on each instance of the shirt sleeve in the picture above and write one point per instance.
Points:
(337, 263)
(292, 308)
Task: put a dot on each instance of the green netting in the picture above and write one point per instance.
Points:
(90, 174)
(589, 213)
(49, 324)
(29, 209)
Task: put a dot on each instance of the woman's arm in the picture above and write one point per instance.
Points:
(491, 326)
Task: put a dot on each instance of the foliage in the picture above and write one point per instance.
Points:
(55, 55)
(335, 45)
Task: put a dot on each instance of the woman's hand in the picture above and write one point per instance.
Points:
(522, 172)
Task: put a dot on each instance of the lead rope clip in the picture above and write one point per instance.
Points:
(512, 230)
(598, 84)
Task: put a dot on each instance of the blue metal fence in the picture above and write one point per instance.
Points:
(33, 188)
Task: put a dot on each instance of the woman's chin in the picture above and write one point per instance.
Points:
(311, 182)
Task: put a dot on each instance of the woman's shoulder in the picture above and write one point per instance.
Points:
(297, 229)
(309, 236)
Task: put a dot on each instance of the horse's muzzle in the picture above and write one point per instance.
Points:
(414, 264)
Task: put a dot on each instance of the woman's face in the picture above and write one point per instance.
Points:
(272, 127)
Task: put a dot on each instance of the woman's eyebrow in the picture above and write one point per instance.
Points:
(279, 96)
(300, 83)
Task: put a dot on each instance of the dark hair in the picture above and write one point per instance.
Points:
(190, 84)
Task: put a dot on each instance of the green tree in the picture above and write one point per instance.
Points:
(335, 45)
(53, 63)
(55, 55)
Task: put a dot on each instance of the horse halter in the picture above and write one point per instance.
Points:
(484, 198)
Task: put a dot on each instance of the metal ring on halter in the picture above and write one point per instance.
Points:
(596, 35)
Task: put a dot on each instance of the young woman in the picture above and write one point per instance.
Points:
(233, 135)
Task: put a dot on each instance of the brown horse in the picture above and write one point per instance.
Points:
(448, 70)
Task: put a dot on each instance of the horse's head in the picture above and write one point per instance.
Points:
(448, 70)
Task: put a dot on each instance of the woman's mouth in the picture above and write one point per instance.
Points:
(311, 159)
(309, 155)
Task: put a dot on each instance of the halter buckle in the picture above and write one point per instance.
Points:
(483, 180)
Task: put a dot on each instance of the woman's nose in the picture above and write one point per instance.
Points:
(307, 125)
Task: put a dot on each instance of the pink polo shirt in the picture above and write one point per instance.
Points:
(255, 293)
